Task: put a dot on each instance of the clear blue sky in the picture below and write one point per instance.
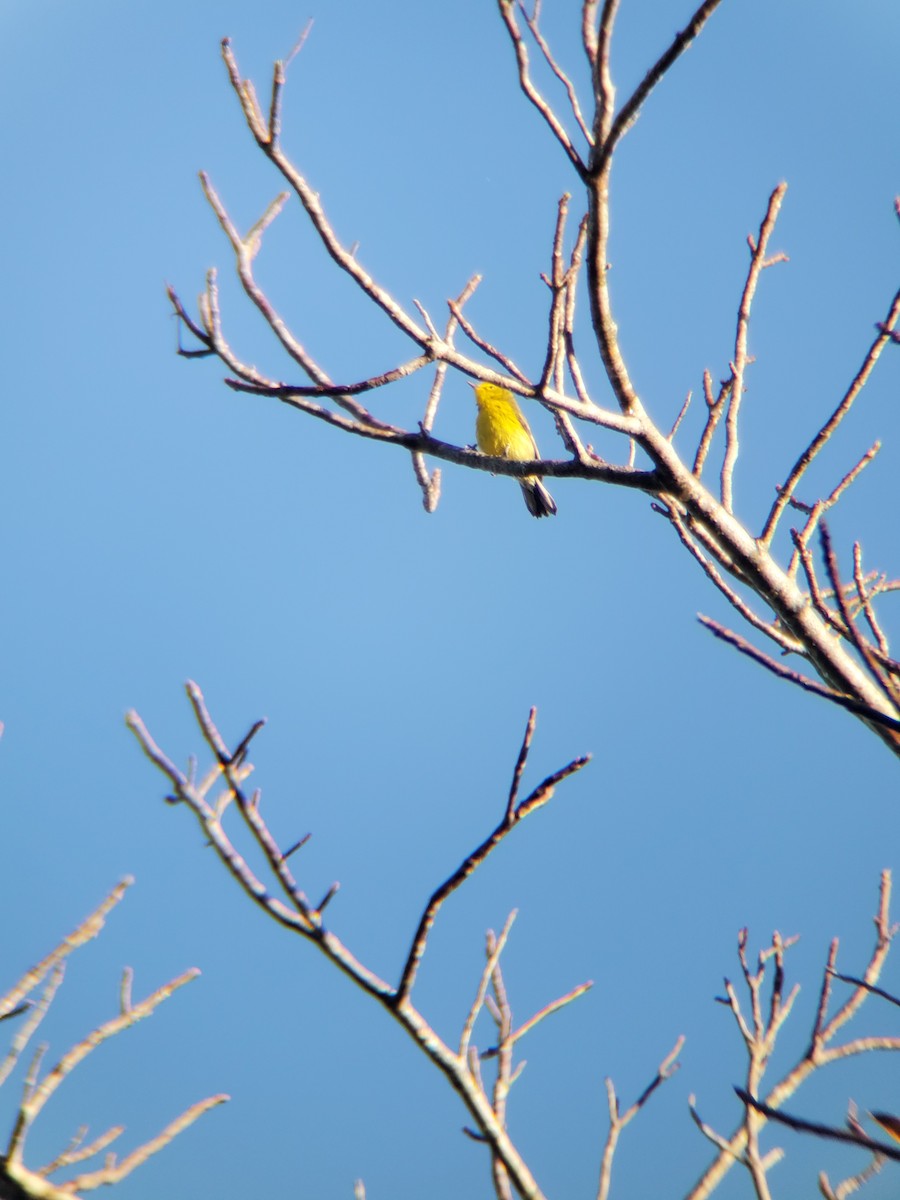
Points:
(158, 527)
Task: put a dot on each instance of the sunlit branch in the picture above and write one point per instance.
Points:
(802, 681)
(630, 110)
(515, 811)
(816, 511)
(758, 263)
(557, 70)
(884, 680)
(460, 1068)
(783, 639)
(507, 12)
(733, 1149)
(491, 351)
(865, 599)
(343, 257)
(786, 491)
(618, 1119)
(801, 1125)
(715, 407)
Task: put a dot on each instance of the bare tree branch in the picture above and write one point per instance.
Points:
(786, 491)
(618, 1119)
(808, 685)
(16, 1178)
(758, 263)
(296, 912)
(759, 1034)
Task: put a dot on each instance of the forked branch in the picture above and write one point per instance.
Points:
(743, 566)
(38, 1089)
(223, 788)
(760, 1025)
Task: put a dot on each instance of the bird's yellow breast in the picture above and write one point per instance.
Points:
(500, 428)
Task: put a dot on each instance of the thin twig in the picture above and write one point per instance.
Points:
(526, 83)
(40, 1092)
(547, 1011)
(801, 1125)
(783, 639)
(884, 681)
(114, 1172)
(681, 415)
(865, 599)
(512, 815)
(802, 681)
(786, 491)
(493, 958)
(469, 330)
(618, 1120)
(715, 407)
(758, 263)
(816, 511)
(557, 70)
(630, 110)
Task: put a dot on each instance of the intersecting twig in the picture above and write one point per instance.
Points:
(507, 12)
(618, 1119)
(759, 1030)
(39, 1089)
(298, 914)
(787, 490)
(515, 811)
(802, 681)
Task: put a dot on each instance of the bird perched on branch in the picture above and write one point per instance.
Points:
(502, 431)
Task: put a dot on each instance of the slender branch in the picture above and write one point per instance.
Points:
(682, 413)
(786, 491)
(113, 1172)
(424, 443)
(557, 70)
(343, 257)
(521, 761)
(758, 262)
(816, 511)
(618, 1120)
(42, 1092)
(88, 929)
(802, 681)
(469, 330)
(495, 949)
(715, 407)
(38, 1010)
(597, 44)
(558, 284)
(505, 1075)
(883, 680)
(460, 1069)
(734, 1149)
(784, 640)
(547, 1011)
(630, 110)
(801, 1125)
(865, 599)
(526, 83)
(512, 815)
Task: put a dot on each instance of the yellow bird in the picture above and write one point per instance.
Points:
(502, 431)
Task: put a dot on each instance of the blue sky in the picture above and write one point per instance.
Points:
(158, 527)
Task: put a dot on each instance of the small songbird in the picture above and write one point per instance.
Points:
(502, 431)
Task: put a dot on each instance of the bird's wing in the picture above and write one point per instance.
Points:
(520, 417)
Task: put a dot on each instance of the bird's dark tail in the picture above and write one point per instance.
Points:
(540, 502)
